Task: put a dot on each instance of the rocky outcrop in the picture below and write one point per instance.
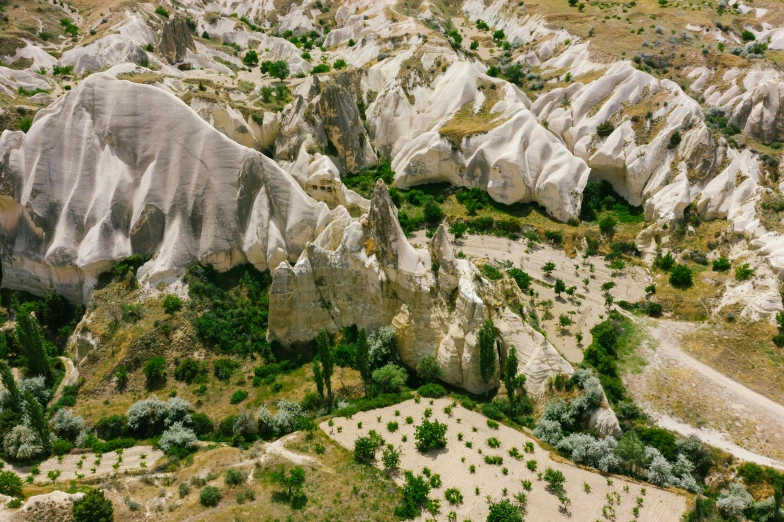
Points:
(366, 273)
(175, 40)
(115, 168)
(339, 115)
(760, 112)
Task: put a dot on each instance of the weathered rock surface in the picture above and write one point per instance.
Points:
(760, 112)
(115, 168)
(175, 40)
(366, 273)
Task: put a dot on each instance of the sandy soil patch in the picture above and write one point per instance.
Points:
(588, 308)
(132, 459)
(688, 396)
(453, 463)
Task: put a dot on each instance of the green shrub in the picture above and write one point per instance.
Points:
(607, 225)
(238, 396)
(339, 64)
(161, 11)
(665, 262)
(224, 368)
(155, 371)
(491, 272)
(721, 264)
(555, 479)
(681, 276)
(320, 68)
(522, 279)
(778, 340)
(190, 370)
(415, 492)
(61, 447)
(433, 213)
(112, 427)
(430, 435)
(504, 511)
(432, 390)
(604, 129)
(10, 484)
(233, 320)
(747, 36)
(365, 448)
(172, 304)
(492, 411)
(743, 272)
(235, 477)
(93, 507)
(209, 496)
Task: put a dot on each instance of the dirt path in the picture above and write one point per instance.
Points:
(688, 396)
(69, 379)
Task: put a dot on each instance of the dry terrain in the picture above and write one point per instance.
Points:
(686, 395)
(488, 481)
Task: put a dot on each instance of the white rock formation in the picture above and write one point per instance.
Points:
(115, 168)
(365, 273)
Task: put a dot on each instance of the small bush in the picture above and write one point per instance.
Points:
(238, 396)
(432, 390)
(235, 477)
(743, 272)
(161, 11)
(604, 129)
(209, 496)
(93, 507)
(155, 371)
(681, 276)
(10, 484)
(721, 264)
(224, 368)
(172, 304)
(430, 435)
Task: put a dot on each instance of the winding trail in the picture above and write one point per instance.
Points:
(731, 416)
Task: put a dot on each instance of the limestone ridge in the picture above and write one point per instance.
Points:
(372, 277)
(175, 40)
(115, 168)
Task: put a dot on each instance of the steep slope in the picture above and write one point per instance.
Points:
(116, 168)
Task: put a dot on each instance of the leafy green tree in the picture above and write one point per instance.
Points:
(363, 359)
(504, 511)
(430, 435)
(251, 58)
(30, 339)
(10, 484)
(487, 351)
(458, 229)
(93, 507)
(390, 378)
(559, 287)
(293, 481)
(548, 267)
(171, 304)
(324, 349)
(607, 225)
(428, 369)
(512, 380)
(681, 276)
(155, 371)
(279, 70)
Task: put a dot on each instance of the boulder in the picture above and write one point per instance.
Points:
(175, 40)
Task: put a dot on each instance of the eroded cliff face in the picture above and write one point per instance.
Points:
(366, 273)
(175, 40)
(116, 168)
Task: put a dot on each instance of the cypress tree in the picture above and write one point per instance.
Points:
(487, 352)
(28, 334)
(363, 356)
(325, 355)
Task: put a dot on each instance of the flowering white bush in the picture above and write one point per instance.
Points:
(22, 443)
(177, 435)
(734, 501)
(285, 421)
(68, 426)
(245, 425)
(37, 386)
(586, 449)
(549, 431)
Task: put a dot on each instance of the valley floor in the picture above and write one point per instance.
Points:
(488, 481)
(686, 395)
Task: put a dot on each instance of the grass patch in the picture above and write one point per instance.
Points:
(466, 122)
